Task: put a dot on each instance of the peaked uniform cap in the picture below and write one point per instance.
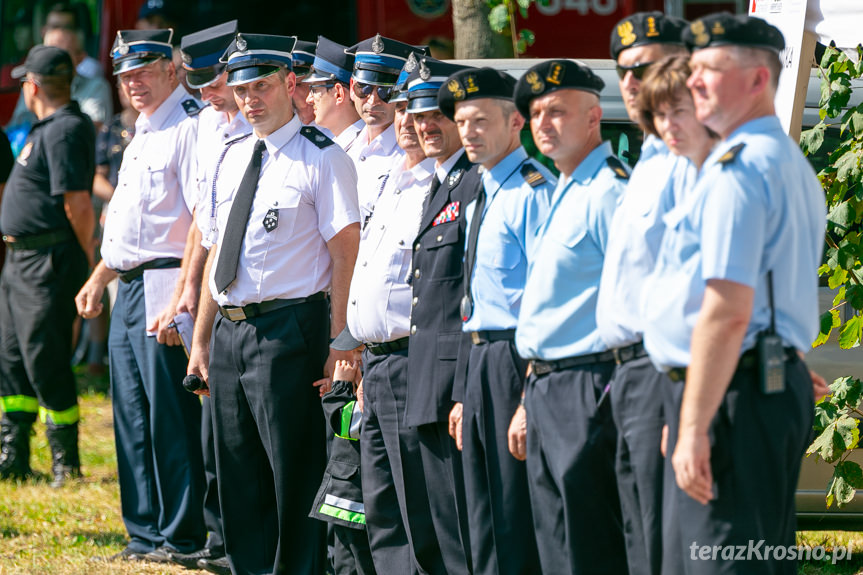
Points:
(251, 57)
(379, 60)
(137, 48)
(424, 81)
(552, 75)
(724, 29)
(202, 51)
(331, 62)
(472, 84)
(643, 28)
(303, 55)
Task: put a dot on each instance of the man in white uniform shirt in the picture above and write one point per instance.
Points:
(288, 231)
(157, 424)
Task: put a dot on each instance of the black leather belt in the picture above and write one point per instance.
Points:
(39, 241)
(749, 360)
(628, 353)
(481, 337)
(541, 367)
(156, 264)
(387, 346)
(236, 313)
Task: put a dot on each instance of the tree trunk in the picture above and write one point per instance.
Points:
(474, 38)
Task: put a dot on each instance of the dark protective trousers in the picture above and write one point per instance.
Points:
(498, 503)
(157, 427)
(389, 454)
(352, 555)
(570, 467)
(37, 310)
(757, 444)
(637, 392)
(212, 511)
(269, 434)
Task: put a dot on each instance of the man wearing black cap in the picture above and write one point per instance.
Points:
(512, 204)
(288, 229)
(377, 63)
(570, 432)
(329, 93)
(47, 224)
(302, 57)
(157, 424)
(733, 309)
(437, 345)
(637, 388)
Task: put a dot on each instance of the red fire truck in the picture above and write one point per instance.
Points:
(563, 28)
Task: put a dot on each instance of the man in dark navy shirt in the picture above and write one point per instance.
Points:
(47, 222)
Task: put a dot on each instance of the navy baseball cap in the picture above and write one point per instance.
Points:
(46, 61)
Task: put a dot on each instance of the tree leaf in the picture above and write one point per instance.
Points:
(849, 336)
(811, 140)
(826, 322)
(839, 275)
(828, 445)
(854, 296)
(528, 36)
(498, 18)
(848, 165)
(524, 4)
(846, 391)
(852, 473)
(842, 215)
(841, 489)
(825, 414)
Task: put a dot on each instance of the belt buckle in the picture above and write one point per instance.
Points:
(475, 338)
(235, 313)
(618, 359)
(541, 368)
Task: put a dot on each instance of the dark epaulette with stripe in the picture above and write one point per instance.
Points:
(192, 107)
(617, 167)
(532, 176)
(731, 154)
(316, 137)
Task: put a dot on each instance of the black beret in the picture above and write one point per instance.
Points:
(724, 29)
(646, 28)
(553, 75)
(472, 84)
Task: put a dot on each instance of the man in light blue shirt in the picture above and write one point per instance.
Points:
(714, 320)
(501, 225)
(570, 432)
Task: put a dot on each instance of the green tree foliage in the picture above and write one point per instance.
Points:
(836, 416)
(502, 19)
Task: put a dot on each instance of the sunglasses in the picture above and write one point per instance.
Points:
(321, 88)
(637, 70)
(365, 90)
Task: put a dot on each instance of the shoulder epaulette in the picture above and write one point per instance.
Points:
(192, 107)
(316, 137)
(617, 167)
(729, 156)
(531, 175)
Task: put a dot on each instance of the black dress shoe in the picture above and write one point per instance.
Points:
(160, 555)
(218, 566)
(126, 554)
(190, 560)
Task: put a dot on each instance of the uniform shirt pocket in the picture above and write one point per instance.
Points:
(275, 213)
(446, 244)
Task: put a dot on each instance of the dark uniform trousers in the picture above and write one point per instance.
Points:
(570, 467)
(212, 511)
(498, 503)
(637, 392)
(37, 310)
(389, 454)
(269, 434)
(757, 444)
(157, 426)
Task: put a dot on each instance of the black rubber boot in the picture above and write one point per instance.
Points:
(65, 463)
(14, 449)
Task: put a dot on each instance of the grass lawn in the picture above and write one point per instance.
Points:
(62, 532)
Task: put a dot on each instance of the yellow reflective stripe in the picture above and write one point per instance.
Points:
(23, 403)
(351, 516)
(347, 416)
(65, 417)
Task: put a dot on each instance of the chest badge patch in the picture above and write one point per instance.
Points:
(448, 214)
(454, 177)
(25, 153)
(271, 220)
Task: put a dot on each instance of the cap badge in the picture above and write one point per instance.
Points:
(651, 27)
(187, 59)
(536, 84)
(377, 44)
(699, 32)
(122, 47)
(241, 43)
(425, 73)
(626, 32)
(471, 84)
(717, 29)
(411, 63)
(455, 89)
(555, 73)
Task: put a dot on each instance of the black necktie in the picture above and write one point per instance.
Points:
(235, 230)
(470, 255)
(432, 191)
